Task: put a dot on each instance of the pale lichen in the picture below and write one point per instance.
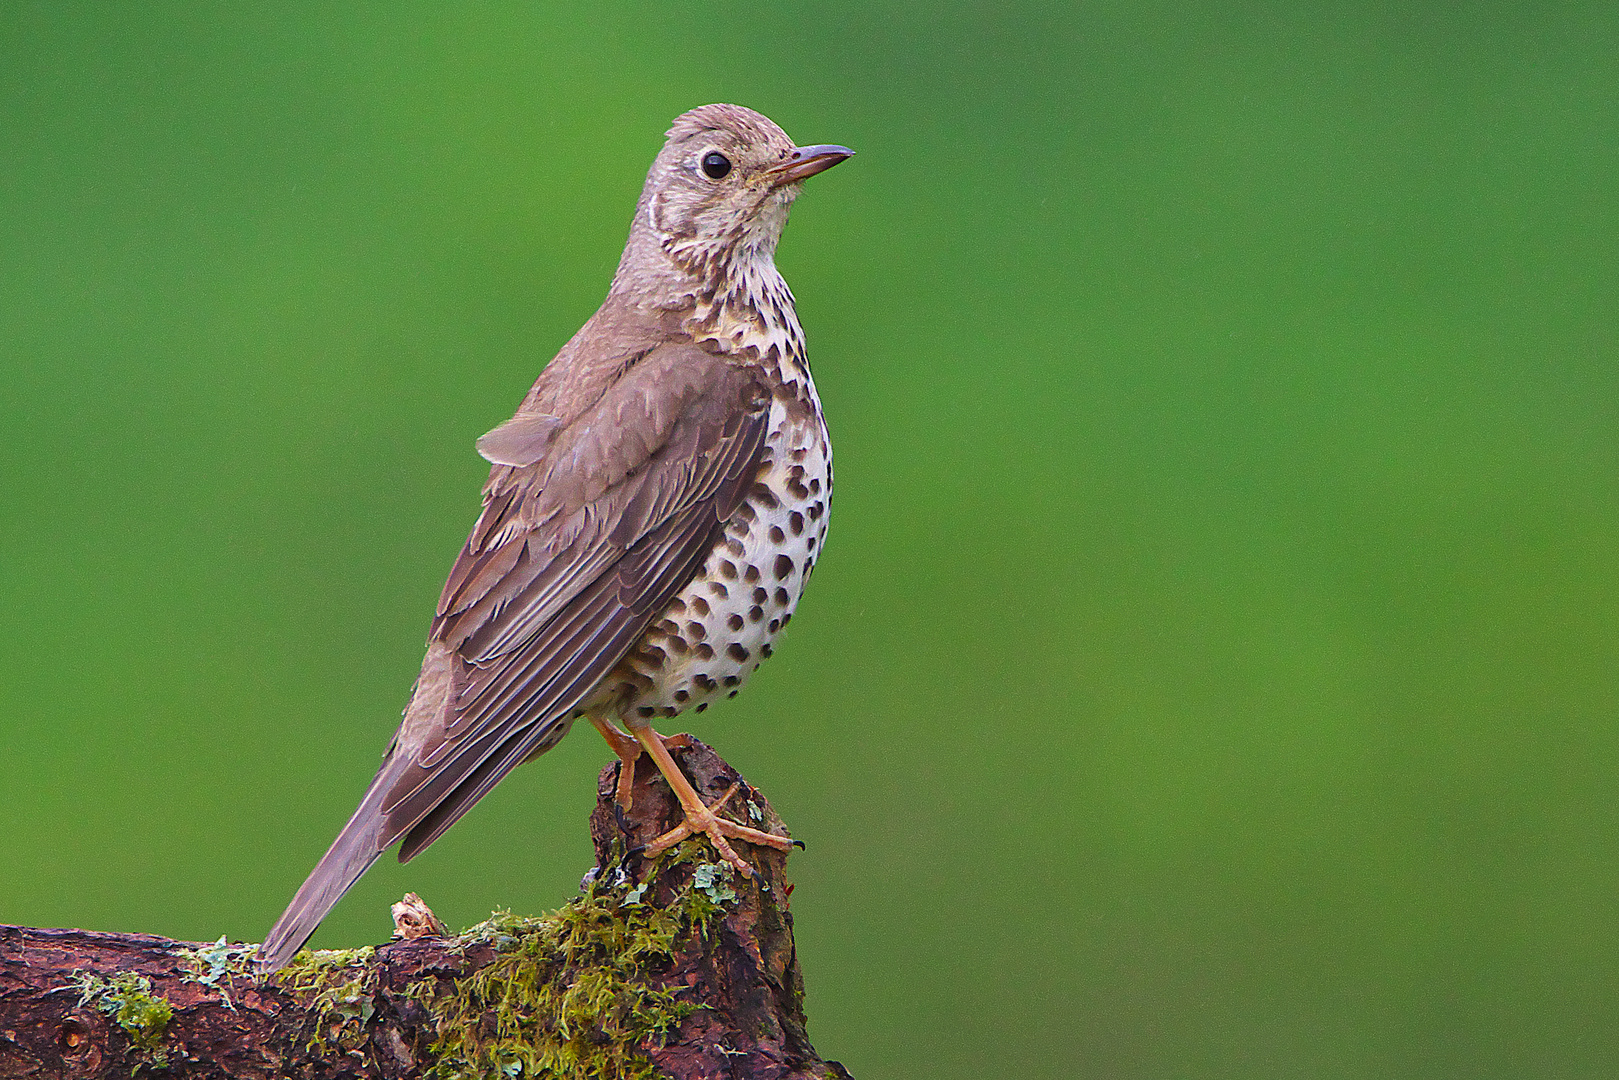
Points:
(714, 879)
(128, 999)
(218, 966)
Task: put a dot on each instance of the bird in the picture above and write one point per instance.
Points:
(653, 511)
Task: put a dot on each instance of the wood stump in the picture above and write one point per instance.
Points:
(671, 967)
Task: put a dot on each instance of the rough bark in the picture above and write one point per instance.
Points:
(80, 1004)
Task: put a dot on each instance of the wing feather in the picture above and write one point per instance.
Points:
(590, 526)
(536, 630)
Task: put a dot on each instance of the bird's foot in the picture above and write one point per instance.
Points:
(706, 820)
(700, 818)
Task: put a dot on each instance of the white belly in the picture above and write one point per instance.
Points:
(719, 629)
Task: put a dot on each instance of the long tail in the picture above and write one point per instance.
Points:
(351, 854)
(413, 800)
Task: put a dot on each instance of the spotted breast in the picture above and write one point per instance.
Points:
(723, 625)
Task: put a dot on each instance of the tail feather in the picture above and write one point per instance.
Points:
(351, 854)
(520, 748)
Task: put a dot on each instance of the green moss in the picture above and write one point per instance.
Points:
(128, 999)
(331, 983)
(569, 995)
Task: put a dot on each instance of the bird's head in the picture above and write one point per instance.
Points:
(716, 198)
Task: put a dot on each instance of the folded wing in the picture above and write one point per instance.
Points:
(572, 559)
(573, 556)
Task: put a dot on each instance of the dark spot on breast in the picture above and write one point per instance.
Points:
(746, 512)
(718, 589)
(755, 613)
(784, 567)
(677, 606)
(646, 712)
(733, 680)
(781, 596)
(653, 655)
(699, 606)
(796, 472)
(705, 681)
(795, 522)
(816, 510)
(705, 651)
(798, 455)
(768, 650)
(682, 696)
(785, 619)
(760, 596)
(750, 573)
(812, 543)
(815, 486)
(701, 705)
(798, 491)
(734, 621)
(736, 549)
(728, 569)
(736, 652)
(764, 496)
(696, 630)
(731, 694)
(774, 625)
(776, 535)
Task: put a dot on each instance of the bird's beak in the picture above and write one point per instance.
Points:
(806, 161)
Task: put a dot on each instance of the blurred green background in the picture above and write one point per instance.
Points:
(1214, 671)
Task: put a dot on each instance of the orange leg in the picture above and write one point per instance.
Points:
(699, 818)
(628, 750)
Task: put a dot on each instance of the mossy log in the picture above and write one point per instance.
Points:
(667, 967)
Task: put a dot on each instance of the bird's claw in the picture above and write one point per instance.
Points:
(706, 820)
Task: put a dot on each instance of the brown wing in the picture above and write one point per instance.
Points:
(571, 560)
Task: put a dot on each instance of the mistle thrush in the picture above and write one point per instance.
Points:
(653, 512)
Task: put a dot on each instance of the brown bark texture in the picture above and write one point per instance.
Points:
(721, 985)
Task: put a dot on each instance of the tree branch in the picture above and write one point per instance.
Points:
(669, 967)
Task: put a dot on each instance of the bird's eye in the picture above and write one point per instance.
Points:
(716, 165)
